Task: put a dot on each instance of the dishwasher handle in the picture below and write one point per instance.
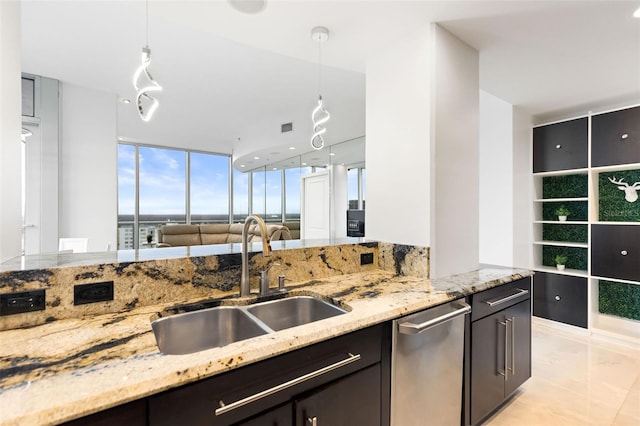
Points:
(410, 328)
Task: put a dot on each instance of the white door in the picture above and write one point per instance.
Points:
(315, 211)
(31, 188)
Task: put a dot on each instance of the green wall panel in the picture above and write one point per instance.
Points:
(569, 186)
(619, 299)
(577, 256)
(570, 233)
(613, 207)
(579, 210)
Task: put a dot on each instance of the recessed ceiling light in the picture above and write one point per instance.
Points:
(241, 165)
(636, 14)
(125, 101)
(275, 168)
(256, 158)
(304, 164)
(332, 154)
(292, 147)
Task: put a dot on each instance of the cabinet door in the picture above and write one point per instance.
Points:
(560, 298)
(518, 319)
(487, 365)
(561, 146)
(615, 251)
(280, 416)
(351, 401)
(615, 137)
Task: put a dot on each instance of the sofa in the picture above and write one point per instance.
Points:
(219, 233)
(294, 229)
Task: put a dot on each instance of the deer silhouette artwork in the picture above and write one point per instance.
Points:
(630, 191)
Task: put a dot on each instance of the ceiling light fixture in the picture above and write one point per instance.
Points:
(636, 14)
(147, 104)
(320, 115)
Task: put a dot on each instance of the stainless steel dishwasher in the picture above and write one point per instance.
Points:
(426, 366)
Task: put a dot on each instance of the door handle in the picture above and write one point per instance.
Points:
(511, 321)
(411, 328)
(225, 408)
(494, 302)
(498, 349)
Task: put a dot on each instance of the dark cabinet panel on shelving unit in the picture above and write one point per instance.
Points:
(560, 298)
(561, 146)
(615, 137)
(615, 251)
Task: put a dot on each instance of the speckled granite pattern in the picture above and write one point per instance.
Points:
(404, 259)
(174, 279)
(74, 367)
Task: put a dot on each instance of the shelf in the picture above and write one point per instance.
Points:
(554, 270)
(563, 172)
(616, 223)
(558, 200)
(615, 168)
(561, 244)
(618, 280)
(566, 222)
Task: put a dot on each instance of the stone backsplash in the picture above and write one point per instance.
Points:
(187, 279)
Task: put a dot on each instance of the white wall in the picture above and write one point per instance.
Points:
(10, 100)
(397, 153)
(455, 145)
(496, 181)
(522, 188)
(88, 166)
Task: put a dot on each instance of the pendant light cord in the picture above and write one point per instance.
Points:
(147, 21)
(319, 68)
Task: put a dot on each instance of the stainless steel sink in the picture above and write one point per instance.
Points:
(293, 311)
(205, 329)
(214, 327)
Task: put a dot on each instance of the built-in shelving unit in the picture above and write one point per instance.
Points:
(586, 165)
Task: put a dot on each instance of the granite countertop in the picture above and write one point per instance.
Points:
(71, 368)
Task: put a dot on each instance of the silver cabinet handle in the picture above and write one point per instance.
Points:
(624, 252)
(624, 136)
(519, 293)
(313, 421)
(225, 408)
(513, 345)
(411, 328)
(557, 297)
(498, 348)
(558, 146)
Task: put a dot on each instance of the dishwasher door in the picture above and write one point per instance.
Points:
(426, 366)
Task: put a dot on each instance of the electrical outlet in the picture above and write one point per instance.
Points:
(92, 293)
(24, 301)
(366, 258)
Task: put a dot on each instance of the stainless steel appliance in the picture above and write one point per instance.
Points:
(427, 366)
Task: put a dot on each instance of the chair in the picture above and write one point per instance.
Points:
(78, 245)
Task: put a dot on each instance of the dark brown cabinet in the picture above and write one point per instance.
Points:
(500, 352)
(561, 146)
(615, 137)
(560, 298)
(615, 251)
(316, 379)
(351, 401)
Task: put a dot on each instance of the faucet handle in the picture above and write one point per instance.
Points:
(281, 280)
(264, 279)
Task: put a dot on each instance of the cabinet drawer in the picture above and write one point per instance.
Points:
(560, 298)
(195, 404)
(561, 146)
(615, 251)
(615, 137)
(493, 300)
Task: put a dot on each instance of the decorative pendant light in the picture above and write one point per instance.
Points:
(146, 103)
(320, 115)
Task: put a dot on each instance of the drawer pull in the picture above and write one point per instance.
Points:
(625, 135)
(506, 299)
(224, 408)
(557, 297)
(624, 252)
(558, 146)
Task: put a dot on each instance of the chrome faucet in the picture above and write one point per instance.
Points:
(245, 287)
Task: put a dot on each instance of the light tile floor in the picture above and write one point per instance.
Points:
(576, 380)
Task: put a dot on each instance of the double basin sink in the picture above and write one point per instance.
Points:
(214, 327)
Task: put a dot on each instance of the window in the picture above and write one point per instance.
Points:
(157, 186)
(209, 188)
(273, 196)
(356, 179)
(257, 193)
(292, 194)
(240, 196)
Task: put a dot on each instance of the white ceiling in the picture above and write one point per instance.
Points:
(230, 79)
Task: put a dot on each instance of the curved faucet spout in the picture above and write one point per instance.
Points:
(245, 287)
